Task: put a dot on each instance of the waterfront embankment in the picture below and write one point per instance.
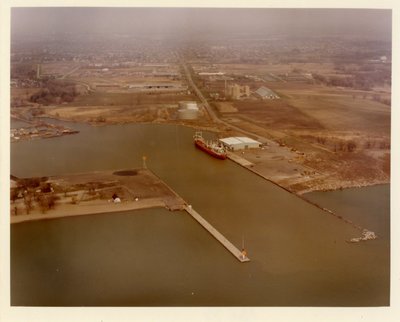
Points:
(90, 193)
(89, 208)
(366, 234)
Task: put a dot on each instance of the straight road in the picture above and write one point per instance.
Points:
(200, 95)
(70, 72)
(214, 117)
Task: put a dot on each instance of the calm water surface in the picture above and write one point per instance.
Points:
(299, 254)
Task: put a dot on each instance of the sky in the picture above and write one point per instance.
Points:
(377, 23)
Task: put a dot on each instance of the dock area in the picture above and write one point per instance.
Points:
(236, 158)
(217, 235)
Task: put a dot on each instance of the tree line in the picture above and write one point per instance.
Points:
(55, 92)
(34, 192)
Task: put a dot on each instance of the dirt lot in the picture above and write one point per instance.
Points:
(57, 68)
(115, 99)
(122, 76)
(226, 107)
(122, 114)
(337, 139)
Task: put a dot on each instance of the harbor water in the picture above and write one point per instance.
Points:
(299, 254)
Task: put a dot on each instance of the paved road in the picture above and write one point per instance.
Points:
(207, 106)
(214, 117)
(76, 81)
(70, 72)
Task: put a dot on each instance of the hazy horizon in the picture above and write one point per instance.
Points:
(202, 21)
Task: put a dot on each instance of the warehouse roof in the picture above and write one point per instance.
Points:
(264, 92)
(245, 139)
(238, 140)
(231, 141)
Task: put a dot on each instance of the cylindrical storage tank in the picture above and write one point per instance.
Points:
(188, 105)
(188, 114)
(191, 106)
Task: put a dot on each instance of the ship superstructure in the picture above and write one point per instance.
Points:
(213, 148)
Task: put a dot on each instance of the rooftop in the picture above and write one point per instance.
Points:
(263, 91)
(238, 140)
(245, 139)
(231, 141)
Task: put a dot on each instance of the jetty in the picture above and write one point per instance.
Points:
(242, 257)
(238, 159)
(101, 192)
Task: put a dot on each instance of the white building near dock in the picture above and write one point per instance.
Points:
(239, 143)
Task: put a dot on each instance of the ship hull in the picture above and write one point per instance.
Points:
(199, 144)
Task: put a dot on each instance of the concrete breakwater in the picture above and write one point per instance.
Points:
(102, 192)
(240, 255)
(366, 234)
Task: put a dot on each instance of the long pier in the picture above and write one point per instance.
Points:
(217, 235)
(238, 159)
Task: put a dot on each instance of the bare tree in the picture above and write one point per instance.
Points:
(351, 146)
(28, 202)
(14, 195)
(42, 203)
(321, 140)
(51, 200)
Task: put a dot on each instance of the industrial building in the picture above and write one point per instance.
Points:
(188, 110)
(266, 93)
(239, 143)
(236, 91)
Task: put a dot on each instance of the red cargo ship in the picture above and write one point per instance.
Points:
(212, 148)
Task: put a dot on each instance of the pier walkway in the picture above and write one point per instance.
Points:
(217, 235)
(238, 159)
